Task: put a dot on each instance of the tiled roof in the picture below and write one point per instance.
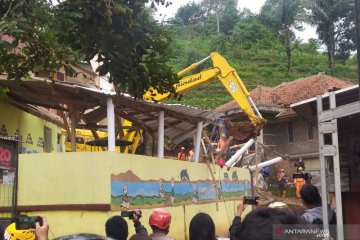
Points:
(287, 112)
(291, 92)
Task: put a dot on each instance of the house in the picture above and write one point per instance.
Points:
(287, 131)
(338, 116)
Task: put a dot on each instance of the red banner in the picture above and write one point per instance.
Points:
(8, 153)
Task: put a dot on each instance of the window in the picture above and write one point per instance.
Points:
(310, 130)
(290, 132)
(47, 139)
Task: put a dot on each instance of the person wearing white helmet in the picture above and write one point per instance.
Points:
(182, 154)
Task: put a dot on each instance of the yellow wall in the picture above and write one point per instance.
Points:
(85, 178)
(14, 118)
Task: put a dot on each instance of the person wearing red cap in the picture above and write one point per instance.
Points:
(159, 222)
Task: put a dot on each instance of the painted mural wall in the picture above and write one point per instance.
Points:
(125, 181)
(15, 122)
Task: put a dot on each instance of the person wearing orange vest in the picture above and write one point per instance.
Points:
(299, 180)
(182, 155)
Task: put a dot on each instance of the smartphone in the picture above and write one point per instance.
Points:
(129, 214)
(252, 200)
(25, 222)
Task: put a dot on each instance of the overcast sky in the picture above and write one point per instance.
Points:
(253, 5)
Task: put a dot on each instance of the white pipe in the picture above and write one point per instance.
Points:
(111, 124)
(267, 163)
(197, 141)
(237, 160)
(161, 135)
(239, 152)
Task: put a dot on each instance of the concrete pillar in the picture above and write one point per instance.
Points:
(73, 131)
(198, 141)
(111, 124)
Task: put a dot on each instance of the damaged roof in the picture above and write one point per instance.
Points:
(91, 103)
(291, 92)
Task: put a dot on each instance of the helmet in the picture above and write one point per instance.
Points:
(182, 148)
(160, 218)
(12, 234)
(300, 169)
(277, 205)
(221, 162)
(282, 170)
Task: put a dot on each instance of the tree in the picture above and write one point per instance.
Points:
(128, 43)
(334, 24)
(213, 7)
(28, 39)
(281, 16)
(191, 13)
(229, 16)
(252, 33)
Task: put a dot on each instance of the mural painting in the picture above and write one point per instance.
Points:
(128, 191)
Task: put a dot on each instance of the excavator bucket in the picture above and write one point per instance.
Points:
(242, 131)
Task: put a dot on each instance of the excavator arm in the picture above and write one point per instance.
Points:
(228, 77)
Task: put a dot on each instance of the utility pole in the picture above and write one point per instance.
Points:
(357, 24)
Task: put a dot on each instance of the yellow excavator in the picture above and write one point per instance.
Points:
(228, 77)
(220, 70)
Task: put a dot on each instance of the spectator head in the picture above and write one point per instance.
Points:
(310, 195)
(160, 220)
(82, 236)
(258, 224)
(202, 227)
(12, 234)
(116, 228)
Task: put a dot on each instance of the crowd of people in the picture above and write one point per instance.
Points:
(256, 225)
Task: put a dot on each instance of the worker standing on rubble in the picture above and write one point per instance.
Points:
(299, 164)
(282, 182)
(299, 180)
(182, 155)
(221, 142)
(221, 145)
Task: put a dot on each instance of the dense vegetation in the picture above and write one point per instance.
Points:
(137, 52)
(256, 47)
(131, 48)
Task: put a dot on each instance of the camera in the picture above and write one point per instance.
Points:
(26, 222)
(251, 200)
(129, 214)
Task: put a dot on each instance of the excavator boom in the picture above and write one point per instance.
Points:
(228, 77)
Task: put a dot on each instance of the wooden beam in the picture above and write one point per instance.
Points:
(66, 123)
(19, 99)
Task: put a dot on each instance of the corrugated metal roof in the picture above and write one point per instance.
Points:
(180, 120)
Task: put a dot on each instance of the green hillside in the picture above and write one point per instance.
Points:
(265, 68)
(252, 47)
